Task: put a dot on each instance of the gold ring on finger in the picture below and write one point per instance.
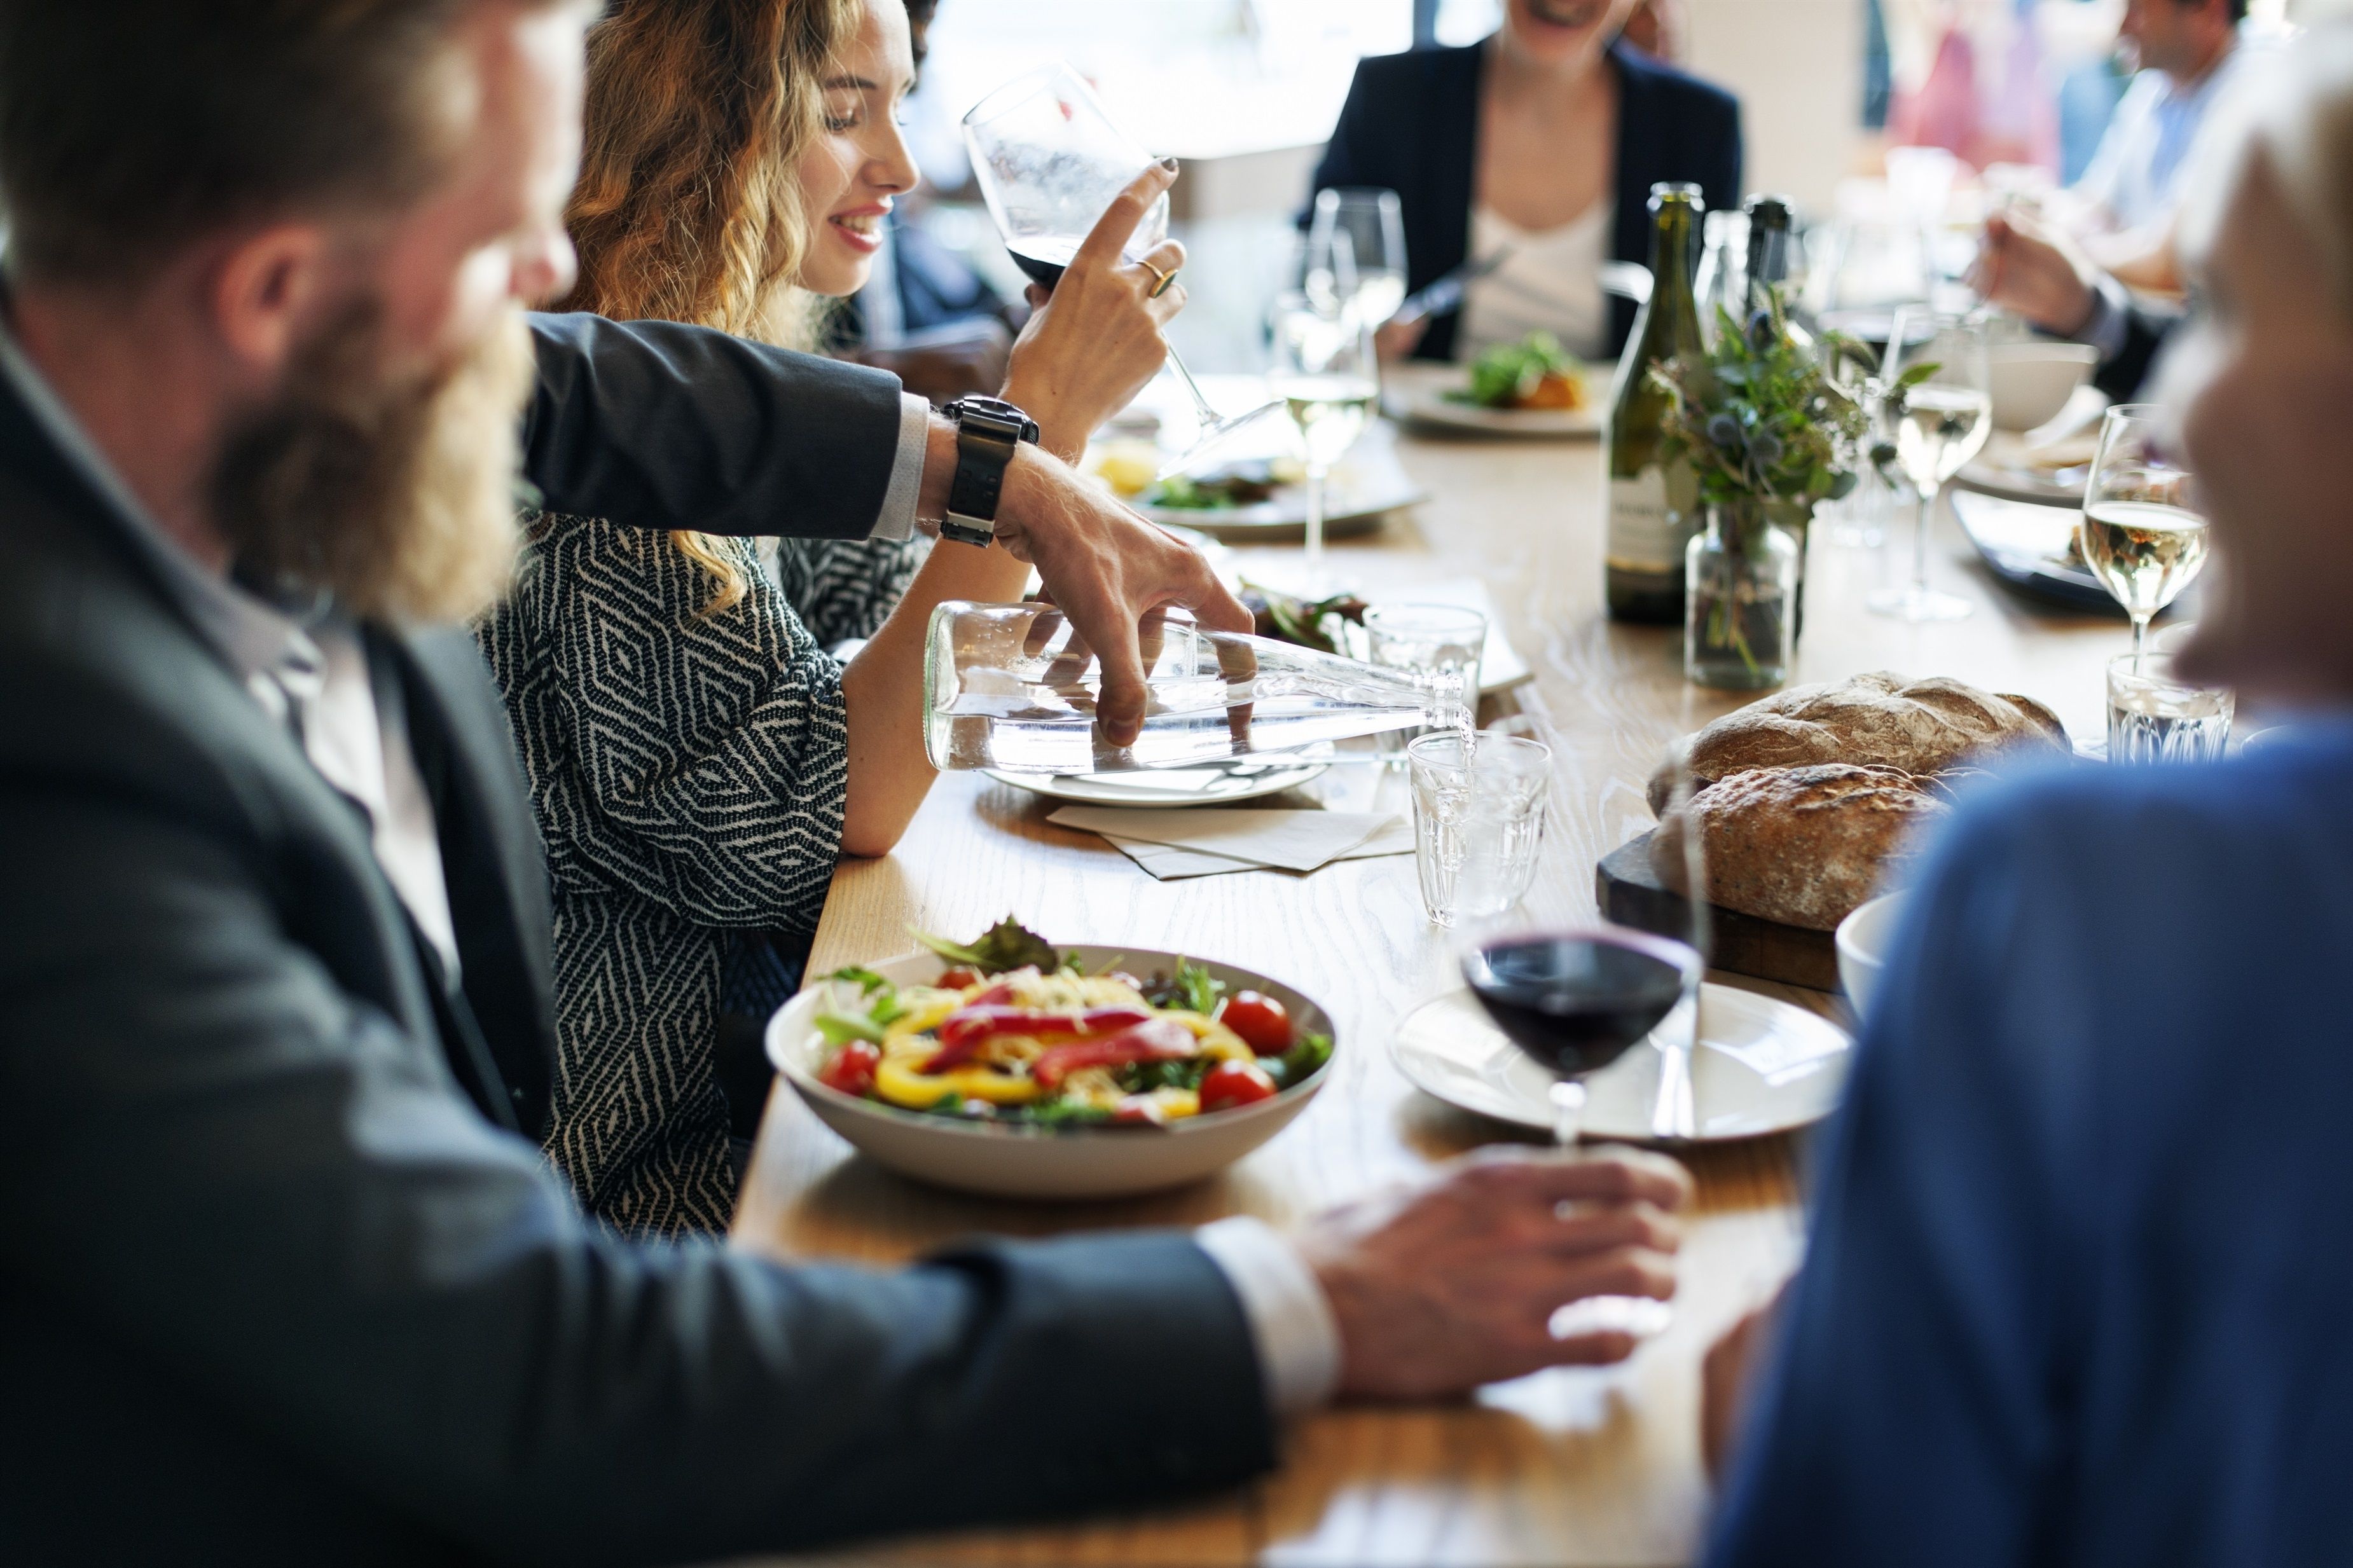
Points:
(1165, 278)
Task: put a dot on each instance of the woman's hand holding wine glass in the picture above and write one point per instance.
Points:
(1095, 338)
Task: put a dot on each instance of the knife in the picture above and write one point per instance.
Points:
(1446, 294)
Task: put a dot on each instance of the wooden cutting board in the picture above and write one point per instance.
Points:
(1630, 894)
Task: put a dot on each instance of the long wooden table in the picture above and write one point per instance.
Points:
(1565, 1468)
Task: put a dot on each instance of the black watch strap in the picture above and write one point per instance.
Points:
(988, 430)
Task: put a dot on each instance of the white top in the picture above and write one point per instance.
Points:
(1551, 283)
(2136, 176)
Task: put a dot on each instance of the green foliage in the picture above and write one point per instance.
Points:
(1759, 419)
(1295, 1064)
(840, 1029)
(1006, 945)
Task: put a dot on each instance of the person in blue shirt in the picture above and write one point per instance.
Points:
(2078, 1288)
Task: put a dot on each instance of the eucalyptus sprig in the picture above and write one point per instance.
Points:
(1758, 417)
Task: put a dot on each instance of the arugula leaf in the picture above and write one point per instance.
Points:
(887, 1009)
(866, 980)
(1006, 945)
(839, 1029)
(1196, 989)
(1059, 1111)
(1299, 1062)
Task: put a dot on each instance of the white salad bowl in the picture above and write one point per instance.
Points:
(1007, 1159)
(2030, 383)
(1863, 939)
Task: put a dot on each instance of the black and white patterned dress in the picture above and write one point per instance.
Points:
(690, 774)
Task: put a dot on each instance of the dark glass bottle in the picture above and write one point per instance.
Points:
(1650, 505)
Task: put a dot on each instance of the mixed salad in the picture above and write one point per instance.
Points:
(1534, 373)
(1016, 1032)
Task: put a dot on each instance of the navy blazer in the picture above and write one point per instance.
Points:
(1411, 125)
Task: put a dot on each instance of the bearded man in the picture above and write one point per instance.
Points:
(286, 1280)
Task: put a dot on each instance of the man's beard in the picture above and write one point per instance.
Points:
(395, 494)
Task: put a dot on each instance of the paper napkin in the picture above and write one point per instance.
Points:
(1169, 863)
(1288, 840)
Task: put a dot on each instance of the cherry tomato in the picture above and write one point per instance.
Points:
(959, 980)
(1264, 1023)
(1229, 1084)
(851, 1071)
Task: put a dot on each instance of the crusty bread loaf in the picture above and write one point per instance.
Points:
(1874, 721)
(1799, 845)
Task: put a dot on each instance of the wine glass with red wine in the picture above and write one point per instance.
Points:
(1048, 160)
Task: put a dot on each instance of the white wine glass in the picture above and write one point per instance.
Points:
(1048, 160)
(2143, 534)
(1322, 374)
(1374, 223)
(1938, 404)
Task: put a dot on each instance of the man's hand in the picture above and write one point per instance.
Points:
(2021, 269)
(1453, 1283)
(1104, 566)
(1095, 340)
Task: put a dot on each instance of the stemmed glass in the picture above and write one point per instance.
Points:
(1373, 222)
(2142, 534)
(1939, 400)
(1048, 160)
(1322, 374)
(1576, 999)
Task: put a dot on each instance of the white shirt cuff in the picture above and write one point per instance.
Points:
(897, 520)
(1290, 1324)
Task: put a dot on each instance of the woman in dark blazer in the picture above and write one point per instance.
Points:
(1522, 121)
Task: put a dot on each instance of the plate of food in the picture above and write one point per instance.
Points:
(1260, 499)
(2030, 546)
(1527, 388)
(1010, 1066)
(1221, 783)
(1763, 1065)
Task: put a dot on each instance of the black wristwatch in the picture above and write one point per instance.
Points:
(987, 429)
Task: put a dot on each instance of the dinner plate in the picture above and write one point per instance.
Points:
(2026, 546)
(1011, 1160)
(1364, 485)
(2021, 467)
(1211, 783)
(1762, 1065)
(1416, 394)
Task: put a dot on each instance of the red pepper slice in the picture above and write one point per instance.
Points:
(1154, 1040)
(962, 1032)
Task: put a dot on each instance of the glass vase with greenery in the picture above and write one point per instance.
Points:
(1768, 435)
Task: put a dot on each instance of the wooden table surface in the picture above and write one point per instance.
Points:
(1565, 1468)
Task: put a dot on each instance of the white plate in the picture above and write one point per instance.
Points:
(1417, 394)
(1763, 1065)
(1218, 783)
(1364, 485)
(1032, 1162)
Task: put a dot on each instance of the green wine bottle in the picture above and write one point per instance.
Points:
(1651, 507)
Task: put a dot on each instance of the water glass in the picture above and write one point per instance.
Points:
(1429, 639)
(2152, 717)
(1478, 820)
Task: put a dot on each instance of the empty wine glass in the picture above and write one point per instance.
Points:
(1937, 401)
(1374, 223)
(1322, 374)
(1048, 160)
(2143, 534)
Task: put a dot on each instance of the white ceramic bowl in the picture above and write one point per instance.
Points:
(2030, 383)
(1033, 1163)
(1863, 939)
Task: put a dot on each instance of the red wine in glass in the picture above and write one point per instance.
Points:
(1577, 1001)
(1044, 257)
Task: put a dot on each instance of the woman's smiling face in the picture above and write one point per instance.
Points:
(1550, 32)
(854, 172)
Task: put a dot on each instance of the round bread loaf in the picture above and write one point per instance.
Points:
(1878, 720)
(1799, 845)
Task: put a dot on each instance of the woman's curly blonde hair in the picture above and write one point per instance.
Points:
(686, 210)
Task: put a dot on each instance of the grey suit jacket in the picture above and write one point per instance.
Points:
(273, 1290)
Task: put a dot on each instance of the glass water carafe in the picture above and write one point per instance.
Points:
(1011, 687)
